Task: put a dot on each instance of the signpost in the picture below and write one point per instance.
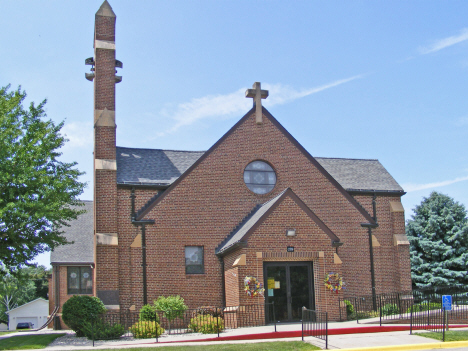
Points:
(447, 306)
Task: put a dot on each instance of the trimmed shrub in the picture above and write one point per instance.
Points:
(80, 309)
(146, 330)
(207, 324)
(148, 313)
(100, 330)
(390, 309)
(420, 307)
(349, 308)
(172, 306)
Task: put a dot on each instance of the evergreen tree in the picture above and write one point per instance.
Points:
(38, 192)
(438, 236)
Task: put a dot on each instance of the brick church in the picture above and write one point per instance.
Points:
(256, 204)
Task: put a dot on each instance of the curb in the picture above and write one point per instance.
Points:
(410, 347)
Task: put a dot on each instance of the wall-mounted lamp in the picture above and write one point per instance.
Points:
(291, 232)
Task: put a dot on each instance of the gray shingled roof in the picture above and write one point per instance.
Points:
(163, 167)
(80, 232)
(248, 222)
(152, 166)
(355, 174)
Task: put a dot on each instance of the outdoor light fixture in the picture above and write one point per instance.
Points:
(291, 232)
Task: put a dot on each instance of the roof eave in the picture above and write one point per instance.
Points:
(376, 192)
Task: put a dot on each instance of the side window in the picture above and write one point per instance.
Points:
(80, 280)
(194, 260)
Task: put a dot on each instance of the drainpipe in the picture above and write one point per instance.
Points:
(371, 249)
(143, 252)
(223, 284)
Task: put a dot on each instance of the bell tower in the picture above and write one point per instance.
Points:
(103, 75)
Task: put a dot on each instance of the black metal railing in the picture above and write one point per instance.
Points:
(396, 307)
(315, 324)
(206, 320)
(430, 320)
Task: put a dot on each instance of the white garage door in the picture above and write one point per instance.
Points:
(33, 320)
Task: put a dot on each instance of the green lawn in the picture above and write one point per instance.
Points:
(21, 342)
(451, 335)
(260, 346)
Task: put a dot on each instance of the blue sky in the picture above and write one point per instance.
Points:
(354, 79)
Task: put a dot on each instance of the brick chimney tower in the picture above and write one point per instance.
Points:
(105, 166)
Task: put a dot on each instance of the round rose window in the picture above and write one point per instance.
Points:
(259, 177)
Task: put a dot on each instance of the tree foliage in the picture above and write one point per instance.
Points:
(37, 190)
(26, 285)
(438, 236)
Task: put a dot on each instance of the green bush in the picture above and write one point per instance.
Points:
(206, 324)
(390, 309)
(148, 313)
(349, 308)
(420, 307)
(80, 309)
(100, 330)
(146, 330)
(172, 306)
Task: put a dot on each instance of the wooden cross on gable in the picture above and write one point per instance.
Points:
(257, 94)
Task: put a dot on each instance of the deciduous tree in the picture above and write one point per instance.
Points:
(38, 192)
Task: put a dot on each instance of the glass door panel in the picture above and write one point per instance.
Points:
(276, 291)
(299, 283)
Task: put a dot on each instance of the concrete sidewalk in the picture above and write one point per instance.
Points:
(393, 340)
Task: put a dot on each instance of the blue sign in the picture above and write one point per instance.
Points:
(447, 302)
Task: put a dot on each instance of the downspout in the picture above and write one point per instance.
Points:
(371, 249)
(223, 283)
(143, 244)
(143, 252)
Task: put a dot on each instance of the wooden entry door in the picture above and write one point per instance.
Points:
(290, 286)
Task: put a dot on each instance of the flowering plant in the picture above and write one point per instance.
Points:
(334, 282)
(253, 287)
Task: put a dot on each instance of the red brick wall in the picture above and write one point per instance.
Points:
(205, 207)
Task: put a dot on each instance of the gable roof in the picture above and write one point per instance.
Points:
(360, 175)
(260, 213)
(40, 299)
(152, 166)
(81, 232)
(158, 167)
(332, 180)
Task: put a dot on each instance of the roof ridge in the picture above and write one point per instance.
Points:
(142, 148)
(346, 158)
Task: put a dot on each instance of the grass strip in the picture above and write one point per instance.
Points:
(451, 335)
(258, 346)
(26, 342)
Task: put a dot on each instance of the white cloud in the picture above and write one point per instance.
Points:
(223, 106)
(445, 42)
(79, 134)
(462, 121)
(410, 187)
